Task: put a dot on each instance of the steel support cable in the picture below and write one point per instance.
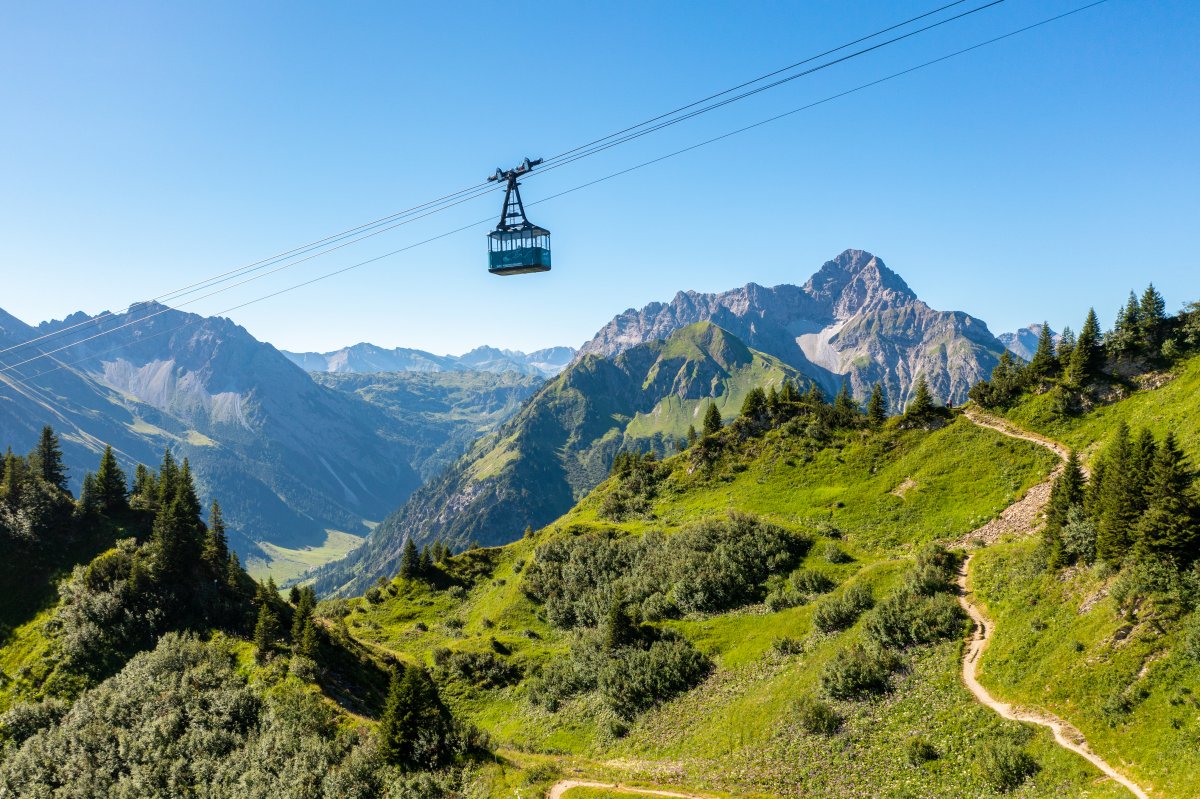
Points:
(259, 276)
(772, 85)
(258, 265)
(626, 171)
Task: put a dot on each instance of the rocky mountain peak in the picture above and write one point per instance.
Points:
(857, 280)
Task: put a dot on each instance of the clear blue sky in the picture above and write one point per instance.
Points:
(145, 145)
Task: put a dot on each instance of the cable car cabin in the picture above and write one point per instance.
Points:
(517, 246)
(517, 252)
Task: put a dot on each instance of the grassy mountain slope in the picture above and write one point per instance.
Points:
(1124, 676)
(873, 496)
(562, 442)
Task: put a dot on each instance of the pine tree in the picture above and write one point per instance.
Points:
(712, 420)
(1066, 494)
(754, 407)
(48, 457)
(1086, 356)
(691, 435)
(168, 538)
(789, 395)
(877, 406)
(189, 502)
(1153, 317)
(410, 561)
(774, 404)
(1168, 527)
(425, 566)
(110, 484)
(308, 645)
(845, 409)
(1066, 345)
(266, 629)
(303, 612)
(168, 476)
(921, 404)
(145, 488)
(1122, 342)
(413, 707)
(89, 496)
(1045, 360)
(814, 397)
(619, 628)
(216, 546)
(1118, 499)
(14, 479)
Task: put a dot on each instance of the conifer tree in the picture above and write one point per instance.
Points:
(1086, 356)
(145, 490)
(789, 394)
(189, 502)
(921, 404)
(294, 596)
(754, 407)
(168, 477)
(266, 629)
(110, 484)
(877, 406)
(691, 435)
(233, 572)
(1122, 341)
(1044, 362)
(216, 546)
(619, 628)
(89, 496)
(814, 397)
(1118, 499)
(712, 420)
(1066, 345)
(413, 707)
(1153, 317)
(410, 561)
(1066, 494)
(48, 458)
(774, 404)
(1169, 525)
(425, 566)
(14, 479)
(845, 409)
(308, 645)
(303, 612)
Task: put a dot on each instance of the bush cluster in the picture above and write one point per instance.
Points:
(716, 565)
(840, 611)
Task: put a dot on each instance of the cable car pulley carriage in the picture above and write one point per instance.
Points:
(517, 246)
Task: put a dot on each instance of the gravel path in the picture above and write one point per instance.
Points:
(560, 788)
(1024, 518)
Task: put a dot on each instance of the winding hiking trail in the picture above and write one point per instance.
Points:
(1021, 517)
(560, 788)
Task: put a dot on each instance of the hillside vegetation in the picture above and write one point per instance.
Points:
(765, 614)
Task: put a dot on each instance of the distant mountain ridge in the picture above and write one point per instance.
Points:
(855, 320)
(365, 358)
(287, 458)
(1023, 343)
(562, 442)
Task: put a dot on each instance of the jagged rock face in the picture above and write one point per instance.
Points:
(854, 321)
(368, 358)
(562, 443)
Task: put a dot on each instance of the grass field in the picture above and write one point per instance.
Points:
(283, 564)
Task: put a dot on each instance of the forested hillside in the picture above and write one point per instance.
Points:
(158, 668)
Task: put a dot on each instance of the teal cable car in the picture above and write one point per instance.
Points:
(517, 246)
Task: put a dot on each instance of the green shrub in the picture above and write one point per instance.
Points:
(1004, 765)
(811, 582)
(483, 669)
(857, 670)
(917, 750)
(817, 717)
(1191, 637)
(907, 619)
(841, 611)
(636, 679)
(835, 554)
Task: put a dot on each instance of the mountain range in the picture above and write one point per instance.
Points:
(290, 459)
(368, 358)
(647, 375)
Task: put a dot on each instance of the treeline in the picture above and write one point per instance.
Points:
(805, 412)
(1139, 506)
(1142, 337)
